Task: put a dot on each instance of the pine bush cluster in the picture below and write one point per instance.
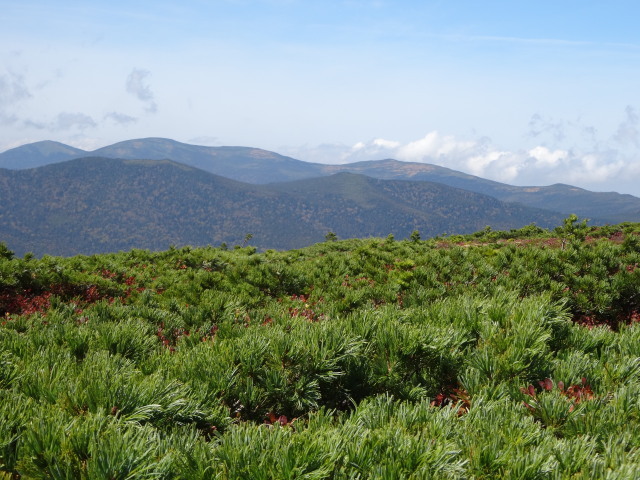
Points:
(493, 355)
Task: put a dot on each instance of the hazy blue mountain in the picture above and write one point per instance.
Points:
(37, 154)
(251, 165)
(93, 205)
(257, 166)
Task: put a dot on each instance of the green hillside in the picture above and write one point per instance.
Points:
(95, 205)
(492, 355)
(365, 203)
(600, 207)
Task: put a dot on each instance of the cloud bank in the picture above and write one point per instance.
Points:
(611, 164)
(16, 98)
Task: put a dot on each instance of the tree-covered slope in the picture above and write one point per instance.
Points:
(94, 205)
(600, 207)
(404, 206)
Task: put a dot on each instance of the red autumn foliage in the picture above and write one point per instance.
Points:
(274, 419)
(453, 397)
(27, 301)
(306, 309)
(575, 393)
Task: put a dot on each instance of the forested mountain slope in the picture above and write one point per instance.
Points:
(94, 205)
(601, 207)
(254, 165)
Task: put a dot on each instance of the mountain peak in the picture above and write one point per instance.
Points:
(37, 154)
(45, 147)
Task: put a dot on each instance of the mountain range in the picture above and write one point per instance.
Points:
(94, 204)
(150, 193)
(257, 166)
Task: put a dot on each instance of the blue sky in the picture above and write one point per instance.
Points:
(527, 93)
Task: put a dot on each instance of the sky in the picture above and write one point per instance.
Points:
(526, 93)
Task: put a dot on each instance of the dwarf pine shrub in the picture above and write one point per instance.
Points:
(505, 356)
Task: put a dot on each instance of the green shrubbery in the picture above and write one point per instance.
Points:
(495, 355)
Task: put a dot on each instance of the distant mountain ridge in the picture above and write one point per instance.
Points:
(94, 205)
(257, 166)
(246, 164)
(603, 207)
(38, 154)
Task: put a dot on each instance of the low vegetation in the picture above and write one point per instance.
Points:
(492, 355)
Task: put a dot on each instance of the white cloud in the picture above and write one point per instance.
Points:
(358, 146)
(478, 164)
(375, 149)
(137, 87)
(381, 142)
(433, 145)
(600, 165)
(546, 157)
